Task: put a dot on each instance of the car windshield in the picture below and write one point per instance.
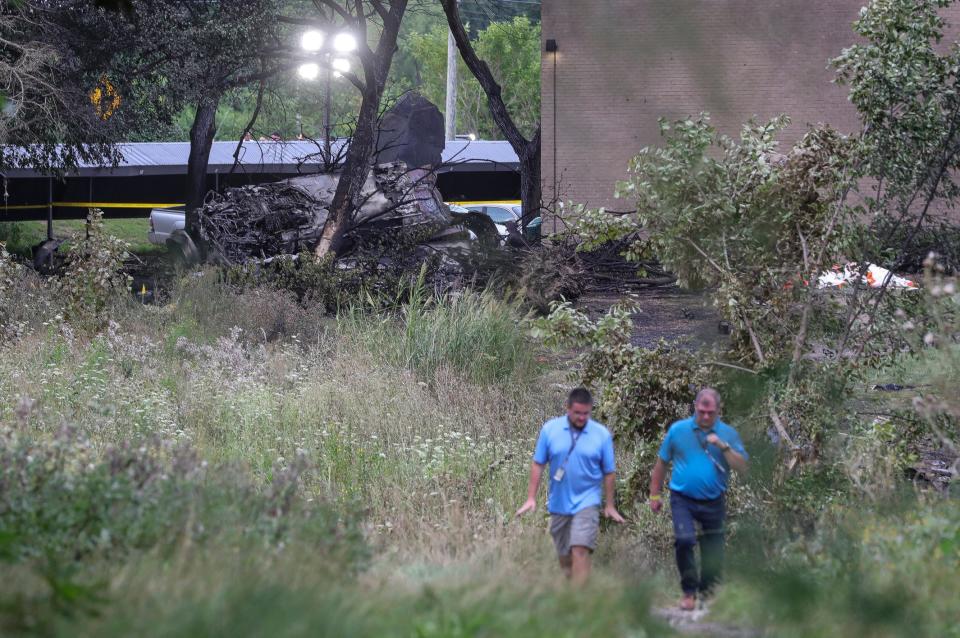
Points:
(500, 215)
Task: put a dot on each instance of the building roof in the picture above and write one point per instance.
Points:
(170, 158)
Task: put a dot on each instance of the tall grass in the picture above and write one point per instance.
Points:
(230, 462)
(475, 334)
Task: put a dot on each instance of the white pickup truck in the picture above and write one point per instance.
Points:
(167, 228)
(164, 222)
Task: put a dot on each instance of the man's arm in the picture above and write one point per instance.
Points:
(734, 459)
(609, 486)
(536, 471)
(656, 484)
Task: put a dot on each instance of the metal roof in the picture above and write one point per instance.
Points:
(170, 158)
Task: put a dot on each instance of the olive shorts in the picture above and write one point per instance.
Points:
(580, 529)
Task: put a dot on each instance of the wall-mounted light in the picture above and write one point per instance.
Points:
(551, 46)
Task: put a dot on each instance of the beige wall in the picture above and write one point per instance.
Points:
(622, 64)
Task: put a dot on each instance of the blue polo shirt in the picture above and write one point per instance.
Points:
(694, 474)
(592, 458)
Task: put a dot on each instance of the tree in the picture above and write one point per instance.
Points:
(527, 149)
(359, 16)
(906, 88)
(139, 65)
(511, 50)
(205, 49)
(58, 107)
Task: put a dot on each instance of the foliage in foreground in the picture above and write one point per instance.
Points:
(885, 571)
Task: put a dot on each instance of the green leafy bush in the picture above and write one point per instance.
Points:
(93, 283)
(61, 499)
(737, 218)
(639, 391)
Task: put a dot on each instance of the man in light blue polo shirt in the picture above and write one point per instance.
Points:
(703, 449)
(580, 453)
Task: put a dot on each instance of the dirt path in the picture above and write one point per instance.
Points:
(693, 623)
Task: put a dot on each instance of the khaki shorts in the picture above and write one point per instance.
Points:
(581, 530)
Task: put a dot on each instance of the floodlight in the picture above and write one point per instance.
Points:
(312, 40)
(344, 43)
(308, 71)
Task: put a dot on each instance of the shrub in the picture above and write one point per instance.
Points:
(735, 217)
(14, 237)
(93, 283)
(640, 391)
(26, 301)
(61, 499)
(884, 572)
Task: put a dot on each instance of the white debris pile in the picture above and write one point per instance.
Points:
(874, 277)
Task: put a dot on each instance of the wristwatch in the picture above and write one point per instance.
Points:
(725, 446)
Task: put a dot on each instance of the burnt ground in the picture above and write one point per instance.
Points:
(151, 274)
(669, 313)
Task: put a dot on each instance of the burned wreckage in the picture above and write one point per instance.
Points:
(399, 199)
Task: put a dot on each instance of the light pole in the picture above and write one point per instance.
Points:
(313, 41)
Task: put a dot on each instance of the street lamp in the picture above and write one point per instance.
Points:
(340, 66)
(314, 41)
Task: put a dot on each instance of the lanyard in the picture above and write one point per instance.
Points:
(573, 443)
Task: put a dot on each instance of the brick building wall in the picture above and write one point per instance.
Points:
(621, 64)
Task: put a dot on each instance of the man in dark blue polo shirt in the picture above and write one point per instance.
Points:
(580, 453)
(703, 449)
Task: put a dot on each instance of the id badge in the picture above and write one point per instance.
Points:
(558, 476)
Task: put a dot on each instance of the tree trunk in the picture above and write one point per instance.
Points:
(376, 66)
(528, 151)
(354, 175)
(201, 139)
(530, 184)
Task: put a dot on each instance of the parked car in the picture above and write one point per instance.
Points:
(503, 213)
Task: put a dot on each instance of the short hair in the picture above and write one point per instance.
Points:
(709, 392)
(581, 396)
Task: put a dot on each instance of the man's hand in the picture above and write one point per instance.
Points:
(713, 439)
(529, 506)
(611, 512)
(656, 505)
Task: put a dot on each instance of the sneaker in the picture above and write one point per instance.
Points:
(689, 602)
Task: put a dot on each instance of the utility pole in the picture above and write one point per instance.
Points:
(327, 157)
(450, 113)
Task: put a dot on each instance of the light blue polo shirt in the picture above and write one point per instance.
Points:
(591, 459)
(694, 474)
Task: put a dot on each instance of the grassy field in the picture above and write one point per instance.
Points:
(247, 465)
(22, 236)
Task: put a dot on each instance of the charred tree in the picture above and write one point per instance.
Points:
(376, 66)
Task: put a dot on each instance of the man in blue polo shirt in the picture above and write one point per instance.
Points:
(703, 450)
(580, 453)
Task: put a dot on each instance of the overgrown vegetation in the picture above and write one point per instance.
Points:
(806, 367)
(299, 449)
